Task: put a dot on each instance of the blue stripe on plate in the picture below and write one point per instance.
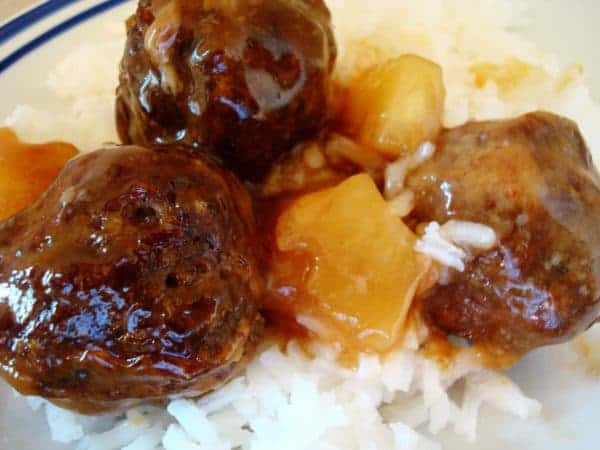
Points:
(56, 31)
(18, 24)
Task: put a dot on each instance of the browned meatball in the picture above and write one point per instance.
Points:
(246, 79)
(133, 277)
(532, 180)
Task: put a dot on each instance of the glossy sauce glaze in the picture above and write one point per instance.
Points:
(533, 181)
(26, 170)
(82, 314)
(134, 277)
(284, 273)
(244, 79)
(70, 321)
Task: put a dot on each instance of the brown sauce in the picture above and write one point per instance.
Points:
(26, 170)
(532, 180)
(134, 276)
(244, 79)
(285, 298)
(282, 274)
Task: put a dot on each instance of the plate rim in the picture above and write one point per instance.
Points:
(37, 13)
(26, 18)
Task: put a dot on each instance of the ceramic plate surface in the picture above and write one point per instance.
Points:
(30, 45)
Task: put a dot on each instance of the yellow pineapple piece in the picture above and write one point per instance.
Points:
(395, 106)
(363, 271)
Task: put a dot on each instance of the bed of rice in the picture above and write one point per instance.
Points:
(285, 400)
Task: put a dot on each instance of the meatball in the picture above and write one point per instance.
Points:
(245, 79)
(133, 277)
(532, 180)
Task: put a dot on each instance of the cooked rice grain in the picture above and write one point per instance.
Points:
(287, 400)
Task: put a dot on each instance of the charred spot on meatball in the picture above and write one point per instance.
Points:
(134, 277)
(532, 180)
(244, 79)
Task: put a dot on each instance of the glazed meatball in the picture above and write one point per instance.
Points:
(533, 181)
(245, 79)
(133, 277)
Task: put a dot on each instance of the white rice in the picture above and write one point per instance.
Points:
(450, 243)
(285, 400)
(290, 401)
(396, 172)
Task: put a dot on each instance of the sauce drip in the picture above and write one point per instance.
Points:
(26, 170)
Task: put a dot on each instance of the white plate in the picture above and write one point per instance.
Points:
(32, 43)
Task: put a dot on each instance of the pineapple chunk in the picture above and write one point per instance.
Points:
(363, 271)
(26, 170)
(395, 106)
